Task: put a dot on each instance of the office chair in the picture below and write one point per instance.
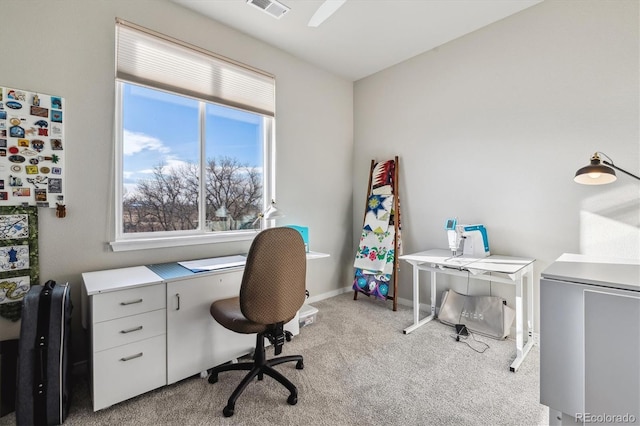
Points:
(271, 293)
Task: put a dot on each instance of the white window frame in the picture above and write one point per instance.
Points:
(149, 240)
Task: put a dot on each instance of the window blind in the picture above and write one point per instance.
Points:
(149, 58)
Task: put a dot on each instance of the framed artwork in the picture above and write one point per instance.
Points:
(31, 148)
(19, 267)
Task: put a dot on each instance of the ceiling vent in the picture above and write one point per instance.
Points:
(272, 7)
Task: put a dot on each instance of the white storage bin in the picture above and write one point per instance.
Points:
(307, 315)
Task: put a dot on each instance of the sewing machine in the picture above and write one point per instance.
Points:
(470, 240)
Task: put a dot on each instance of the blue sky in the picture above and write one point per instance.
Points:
(164, 127)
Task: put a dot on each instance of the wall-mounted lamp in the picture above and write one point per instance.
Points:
(272, 212)
(599, 174)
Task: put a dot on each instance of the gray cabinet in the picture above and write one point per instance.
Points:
(590, 340)
(612, 354)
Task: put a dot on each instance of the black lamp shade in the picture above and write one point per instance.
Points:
(595, 173)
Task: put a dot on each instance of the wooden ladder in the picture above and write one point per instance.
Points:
(396, 224)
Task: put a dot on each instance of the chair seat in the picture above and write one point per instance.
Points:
(227, 312)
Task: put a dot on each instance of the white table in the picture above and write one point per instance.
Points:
(513, 270)
(152, 323)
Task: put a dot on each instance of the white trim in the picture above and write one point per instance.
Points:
(138, 241)
(328, 294)
(118, 162)
(183, 240)
(269, 168)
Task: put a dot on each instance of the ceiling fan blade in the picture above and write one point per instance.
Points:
(325, 10)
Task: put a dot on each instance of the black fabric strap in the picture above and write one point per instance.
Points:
(40, 355)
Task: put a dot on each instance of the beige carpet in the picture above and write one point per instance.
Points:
(360, 369)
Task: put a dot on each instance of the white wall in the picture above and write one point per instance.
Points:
(492, 127)
(66, 48)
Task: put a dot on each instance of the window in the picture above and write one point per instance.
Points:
(194, 143)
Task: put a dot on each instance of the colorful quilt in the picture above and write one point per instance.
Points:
(382, 177)
(378, 215)
(372, 283)
(376, 253)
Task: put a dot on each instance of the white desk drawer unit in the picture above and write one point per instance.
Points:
(128, 333)
(122, 331)
(117, 304)
(125, 371)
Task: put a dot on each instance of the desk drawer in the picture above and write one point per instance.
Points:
(121, 331)
(118, 304)
(129, 370)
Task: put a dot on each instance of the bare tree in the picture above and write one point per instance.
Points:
(234, 186)
(168, 200)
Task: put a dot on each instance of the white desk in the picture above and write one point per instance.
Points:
(150, 325)
(514, 270)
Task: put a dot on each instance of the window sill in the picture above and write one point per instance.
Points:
(186, 240)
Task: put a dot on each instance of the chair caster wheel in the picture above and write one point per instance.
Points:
(228, 411)
(292, 400)
(213, 378)
(299, 365)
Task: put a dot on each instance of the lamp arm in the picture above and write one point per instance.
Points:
(260, 216)
(608, 163)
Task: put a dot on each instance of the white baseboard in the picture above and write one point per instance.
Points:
(406, 302)
(401, 301)
(328, 294)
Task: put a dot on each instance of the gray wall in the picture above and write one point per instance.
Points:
(492, 127)
(66, 48)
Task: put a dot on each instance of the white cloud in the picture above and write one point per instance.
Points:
(136, 142)
(173, 163)
(170, 163)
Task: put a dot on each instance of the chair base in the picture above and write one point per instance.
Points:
(258, 369)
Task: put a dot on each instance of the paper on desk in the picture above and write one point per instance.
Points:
(502, 264)
(214, 263)
(460, 261)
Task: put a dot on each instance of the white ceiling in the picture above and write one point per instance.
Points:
(363, 36)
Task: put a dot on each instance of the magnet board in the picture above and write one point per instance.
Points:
(31, 148)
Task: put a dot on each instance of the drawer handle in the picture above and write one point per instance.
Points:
(178, 297)
(131, 302)
(129, 358)
(131, 330)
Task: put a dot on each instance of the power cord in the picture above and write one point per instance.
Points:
(462, 332)
(462, 335)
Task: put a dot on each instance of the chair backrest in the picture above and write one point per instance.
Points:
(273, 284)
